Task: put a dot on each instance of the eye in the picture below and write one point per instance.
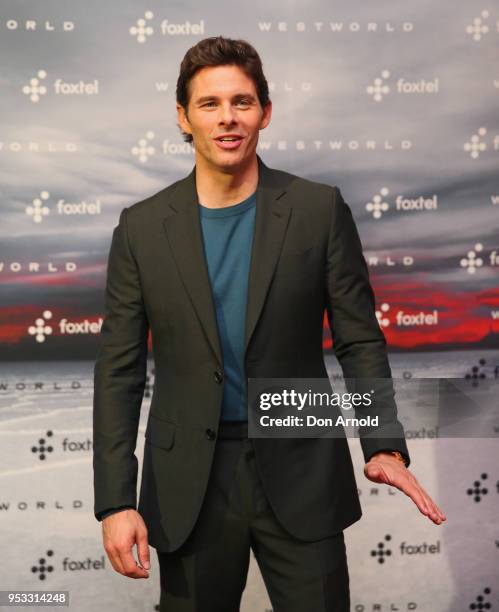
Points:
(208, 103)
(245, 102)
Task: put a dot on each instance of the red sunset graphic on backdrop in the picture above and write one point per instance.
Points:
(63, 314)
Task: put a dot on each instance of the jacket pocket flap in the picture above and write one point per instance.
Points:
(159, 432)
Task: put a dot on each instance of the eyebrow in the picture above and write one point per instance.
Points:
(236, 96)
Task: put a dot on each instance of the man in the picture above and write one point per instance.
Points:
(231, 268)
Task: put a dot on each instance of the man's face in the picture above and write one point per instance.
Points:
(223, 100)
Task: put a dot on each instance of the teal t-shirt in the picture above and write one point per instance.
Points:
(228, 237)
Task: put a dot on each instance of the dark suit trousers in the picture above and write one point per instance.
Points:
(208, 572)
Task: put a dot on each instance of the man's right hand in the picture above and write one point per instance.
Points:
(120, 531)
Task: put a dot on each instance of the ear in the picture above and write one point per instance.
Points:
(267, 113)
(183, 120)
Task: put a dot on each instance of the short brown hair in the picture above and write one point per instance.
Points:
(220, 51)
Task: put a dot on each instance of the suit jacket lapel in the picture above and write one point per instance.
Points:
(184, 234)
(271, 222)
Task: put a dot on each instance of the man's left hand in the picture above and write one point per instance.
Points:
(385, 468)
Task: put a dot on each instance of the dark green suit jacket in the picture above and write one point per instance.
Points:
(306, 258)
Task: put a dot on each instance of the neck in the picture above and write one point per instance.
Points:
(218, 188)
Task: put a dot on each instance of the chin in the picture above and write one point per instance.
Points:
(230, 161)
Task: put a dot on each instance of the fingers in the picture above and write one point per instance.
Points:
(402, 478)
(123, 561)
(424, 502)
(411, 489)
(120, 532)
(116, 561)
(132, 569)
(435, 513)
(143, 550)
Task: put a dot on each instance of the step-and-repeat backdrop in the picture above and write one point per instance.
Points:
(396, 103)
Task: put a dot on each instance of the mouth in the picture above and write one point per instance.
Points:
(229, 142)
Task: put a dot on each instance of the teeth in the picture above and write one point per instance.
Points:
(228, 139)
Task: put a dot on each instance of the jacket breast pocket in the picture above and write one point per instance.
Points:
(160, 432)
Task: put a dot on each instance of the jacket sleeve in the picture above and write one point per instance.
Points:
(119, 379)
(102, 515)
(358, 342)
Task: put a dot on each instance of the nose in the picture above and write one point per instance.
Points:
(227, 115)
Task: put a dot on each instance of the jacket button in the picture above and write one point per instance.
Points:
(218, 376)
(210, 434)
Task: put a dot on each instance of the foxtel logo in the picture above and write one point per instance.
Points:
(41, 329)
(405, 319)
(477, 144)
(80, 327)
(38, 208)
(144, 148)
(380, 86)
(379, 204)
(473, 261)
(143, 28)
(36, 88)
